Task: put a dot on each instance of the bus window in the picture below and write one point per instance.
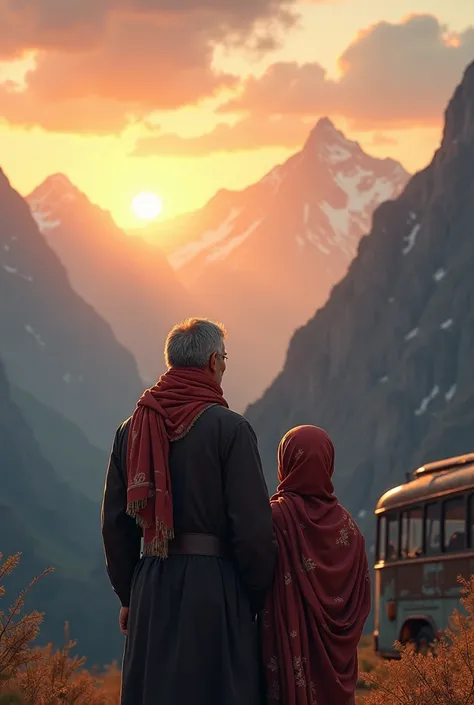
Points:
(382, 538)
(454, 511)
(404, 536)
(432, 529)
(471, 514)
(392, 537)
(415, 532)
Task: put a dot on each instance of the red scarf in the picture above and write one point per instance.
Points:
(164, 414)
(320, 599)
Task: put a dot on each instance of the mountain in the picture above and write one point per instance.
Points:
(64, 446)
(263, 259)
(52, 525)
(53, 344)
(127, 280)
(386, 365)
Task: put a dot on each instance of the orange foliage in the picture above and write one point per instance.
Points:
(48, 676)
(443, 676)
(45, 676)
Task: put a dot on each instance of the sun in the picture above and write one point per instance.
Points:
(147, 206)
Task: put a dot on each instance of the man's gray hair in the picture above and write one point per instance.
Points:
(192, 342)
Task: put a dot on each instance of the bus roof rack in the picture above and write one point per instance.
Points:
(447, 464)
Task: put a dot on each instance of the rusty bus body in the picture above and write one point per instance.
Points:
(425, 539)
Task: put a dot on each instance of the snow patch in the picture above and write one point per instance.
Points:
(446, 325)
(439, 275)
(306, 213)
(274, 178)
(299, 241)
(451, 393)
(337, 154)
(29, 329)
(427, 401)
(312, 237)
(42, 220)
(187, 253)
(412, 334)
(360, 203)
(411, 239)
(46, 199)
(15, 272)
(222, 251)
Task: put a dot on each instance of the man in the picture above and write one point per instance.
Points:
(185, 478)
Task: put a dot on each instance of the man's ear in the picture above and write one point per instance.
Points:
(213, 361)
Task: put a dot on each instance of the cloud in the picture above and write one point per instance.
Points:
(393, 75)
(143, 55)
(247, 134)
(381, 140)
(49, 24)
(85, 115)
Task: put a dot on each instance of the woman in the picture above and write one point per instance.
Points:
(320, 599)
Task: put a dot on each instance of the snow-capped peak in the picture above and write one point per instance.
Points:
(320, 200)
(55, 191)
(329, 143)
(55, 187)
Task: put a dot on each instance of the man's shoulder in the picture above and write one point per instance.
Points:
(124, 426)
(227, 418)
(223, 412)
(121, 434)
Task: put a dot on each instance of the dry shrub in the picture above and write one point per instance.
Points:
(369, 660)
(55, 676)
(45, 676)
(444, 676)
(16, 631)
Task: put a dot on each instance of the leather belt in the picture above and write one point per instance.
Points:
(197, 545)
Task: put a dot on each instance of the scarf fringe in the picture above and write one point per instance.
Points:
(158, 547)
(133, 510)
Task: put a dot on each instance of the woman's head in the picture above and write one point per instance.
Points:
(306, 462)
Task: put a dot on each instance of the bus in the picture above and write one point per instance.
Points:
(425, 539)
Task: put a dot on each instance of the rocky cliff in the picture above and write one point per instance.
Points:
(386, 366)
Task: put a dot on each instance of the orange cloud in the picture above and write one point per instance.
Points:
(96, 116)
(71, 26)
(394, 75)
(247, 134)
(381, 140)
(130, 56)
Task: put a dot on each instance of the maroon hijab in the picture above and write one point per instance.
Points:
(316, 610)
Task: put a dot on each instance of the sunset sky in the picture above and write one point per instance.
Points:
(183, 97)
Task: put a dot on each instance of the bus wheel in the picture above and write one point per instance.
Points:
(424, 639)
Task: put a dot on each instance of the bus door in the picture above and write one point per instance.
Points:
(386, 577)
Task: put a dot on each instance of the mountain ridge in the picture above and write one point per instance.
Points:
(300, 225)
(54, 345)
(389, 374)
(125, 279)
(51, 525)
